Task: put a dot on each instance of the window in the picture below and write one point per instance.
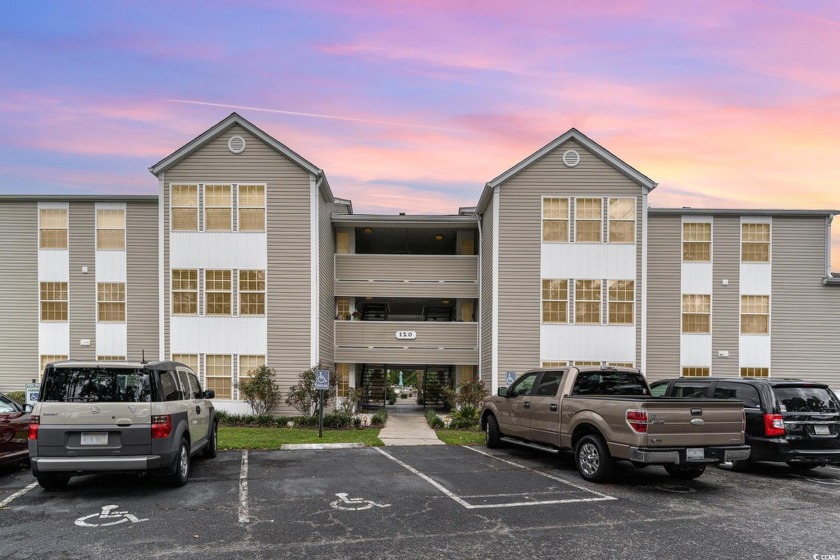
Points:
(217, 292)
(217, 208)
(695, 372)
(755, 314)
(555, 364)
(690, 389)
(185, 292)
(342, 242)
(622, 224)
(110, 229)
(252, 292)
(755, 242)
(523, 385)
(110, 358)
(696, 313)
(342, 308)
(47, 359)
(52, 228)
(168, 386)
(189, 360)
(218, 375)
(755, 372)
(184, 206)
(741, 391)
(697, 242)
(110, 301)
(251, 208)
(587, 301)
(250, 364)
(587, 364)
(549, 384)
(588, 218)
(622, 295)
(555, 299)
(342, 378)
(556, 219)
(53, 301)
(621, 364)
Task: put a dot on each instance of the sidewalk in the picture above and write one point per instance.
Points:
(407, 425)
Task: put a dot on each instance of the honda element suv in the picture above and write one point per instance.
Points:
(98, 417)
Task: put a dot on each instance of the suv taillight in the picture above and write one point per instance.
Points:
(161, 426)
(774, 425)
(637, 420)
(34, 424)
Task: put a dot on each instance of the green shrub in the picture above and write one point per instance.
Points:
(260, 391)
(304, 397)
(435, 421)
(338, 420)
(379, 417)
(17, 396)
(468, 393)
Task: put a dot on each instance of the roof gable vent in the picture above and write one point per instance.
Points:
(571, 158)
(236, 145)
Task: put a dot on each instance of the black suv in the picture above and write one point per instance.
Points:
(788, 420)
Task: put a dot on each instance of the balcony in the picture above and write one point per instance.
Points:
(388, 275)
(420, 342)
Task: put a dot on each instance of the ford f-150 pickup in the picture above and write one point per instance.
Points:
(606, 414)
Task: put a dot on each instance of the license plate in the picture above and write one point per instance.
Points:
(821, 430)
(94, 438)
(695, 454)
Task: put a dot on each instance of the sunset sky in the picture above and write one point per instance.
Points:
(413, 106)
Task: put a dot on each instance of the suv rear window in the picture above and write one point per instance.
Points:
(98, 384)
(806, 399)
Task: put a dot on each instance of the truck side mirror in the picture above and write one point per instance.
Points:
(502, 392)
(209, 394)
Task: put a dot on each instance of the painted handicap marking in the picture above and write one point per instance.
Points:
(354, 504)
(109, 516)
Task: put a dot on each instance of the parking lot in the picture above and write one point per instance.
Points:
(423, 502)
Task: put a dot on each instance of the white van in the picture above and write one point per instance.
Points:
(101, 417)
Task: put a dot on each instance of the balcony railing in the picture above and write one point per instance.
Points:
(450, 276)
(406, 342)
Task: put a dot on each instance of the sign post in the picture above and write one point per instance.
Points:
(322, 384)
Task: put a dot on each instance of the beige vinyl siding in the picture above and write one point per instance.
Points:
(436, 342)
(804, 314)
(141, 223)
(19, 361)
(486, 311)
(726, 300)
(664, 302)
(438, 276)
(326, 253)
(520, 239)
(82, 286)
(288, 306)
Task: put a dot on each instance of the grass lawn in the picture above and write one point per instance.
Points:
(272, 438)
(460, 437)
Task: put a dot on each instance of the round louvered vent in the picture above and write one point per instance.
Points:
(571, 158)
(236, 144)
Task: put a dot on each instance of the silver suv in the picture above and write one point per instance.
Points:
(101, 417)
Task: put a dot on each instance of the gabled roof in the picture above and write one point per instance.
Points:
(586, 142)
(220, 128)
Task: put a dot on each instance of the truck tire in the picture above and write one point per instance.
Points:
(211, 449)
(492, 435)
(685, 472)
(593, 459)
(53, 481)
(182, 465)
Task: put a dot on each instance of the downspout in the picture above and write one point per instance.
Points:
(828, 220)
(478, 218)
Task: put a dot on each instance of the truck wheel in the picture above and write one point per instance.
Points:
(210, 450)
(182, 465)
(491, 433)
(53, 481)
(593, 459)
(685, 472)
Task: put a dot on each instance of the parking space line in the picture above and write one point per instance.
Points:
(460, 500)
(243, 488)
(17, 495)
(552, 477)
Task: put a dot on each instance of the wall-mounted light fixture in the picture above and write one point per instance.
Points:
(445, 302)
(368, 230)
(438, 237)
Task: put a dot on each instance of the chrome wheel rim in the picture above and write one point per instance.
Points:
(185, 461)
(589, 459)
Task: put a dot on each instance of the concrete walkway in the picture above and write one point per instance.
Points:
(407, 425)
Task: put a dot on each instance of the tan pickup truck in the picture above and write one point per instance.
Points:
(604, 414)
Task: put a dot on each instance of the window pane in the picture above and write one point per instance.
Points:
(185, 219)
(217, 196)
(251, 196)
(251, 219)
(110, 219)
(588, 209)
(218, 375)
(556, 208)
(53, 228)
(622, 232)
(622, 209)
(588, 232)
(110, 239)
(185, 195)
(217, 219)
(556, 230)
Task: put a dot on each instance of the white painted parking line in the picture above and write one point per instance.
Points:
(243, 488)
(460, 499)
(17, 495)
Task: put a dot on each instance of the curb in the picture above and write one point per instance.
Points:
(294, 446)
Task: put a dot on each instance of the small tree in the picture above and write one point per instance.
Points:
(304, 398)
(466, 402)
(260, 391)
